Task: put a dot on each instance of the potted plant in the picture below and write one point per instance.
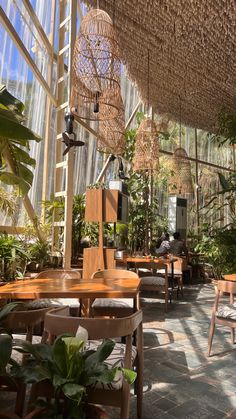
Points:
(66, 370)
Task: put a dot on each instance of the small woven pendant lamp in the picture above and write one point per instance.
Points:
(146, 156)
(181, 181)
(96, 69)
(111, 138)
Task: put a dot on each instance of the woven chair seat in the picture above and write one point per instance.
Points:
(152, 280)
(227, 311)
(113, 302)
(116, 358)
(55, 302)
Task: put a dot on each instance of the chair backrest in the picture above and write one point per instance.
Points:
(58, 322)
(59, 273)
(25, 321)
(180, 263)
(114, 273)
(226, 286)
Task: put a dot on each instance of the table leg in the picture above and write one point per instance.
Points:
(85, 308)
(137, 302)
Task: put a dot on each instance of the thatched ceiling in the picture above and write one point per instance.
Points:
(192, 49)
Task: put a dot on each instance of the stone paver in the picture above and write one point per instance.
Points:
(180, 380)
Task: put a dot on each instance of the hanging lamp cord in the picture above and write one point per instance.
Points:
(148, 80)
(180, 122)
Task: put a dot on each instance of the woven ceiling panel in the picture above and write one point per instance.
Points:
(193, 54)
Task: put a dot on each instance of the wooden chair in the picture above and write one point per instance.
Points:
(23, 321)
(58, 322)
(156, 282)
(73, 303)
(180, 266)
(113, 307)
(224, 315)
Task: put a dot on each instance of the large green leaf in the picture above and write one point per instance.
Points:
(224, 182)
(11, 179)
(11, 116)
(13, 129)
(23, 156)
(102, 353)
(74, 391)
(25, 173)
(10, 101)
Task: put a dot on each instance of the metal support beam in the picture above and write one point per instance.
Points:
(85, 126)
(48, 114)
(110, 158)
(38, 26)
(169, 153)
(132, 115)
(24, 52)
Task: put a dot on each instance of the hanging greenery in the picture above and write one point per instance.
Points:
(226, 129)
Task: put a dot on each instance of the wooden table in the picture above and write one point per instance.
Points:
(147, 259)
(230, 277)
(73, 288)
(169, 261)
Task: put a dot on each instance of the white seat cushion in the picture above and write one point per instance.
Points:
(227, 312)
(55, 302)
(113, 302)
(116, 358)
(152, 280)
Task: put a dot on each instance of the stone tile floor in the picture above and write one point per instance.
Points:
(180, 381)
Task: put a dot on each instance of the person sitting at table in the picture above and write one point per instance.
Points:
(164, 247)
(177, 246)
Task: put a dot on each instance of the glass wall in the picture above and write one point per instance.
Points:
(16, 74)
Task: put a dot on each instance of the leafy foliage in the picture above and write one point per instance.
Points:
(143, 213)
(14, 136)
(13, 257)
(70, 369)
(226, 129)
(219, 249)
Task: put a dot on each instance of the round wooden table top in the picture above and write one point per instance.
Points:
(231, 277)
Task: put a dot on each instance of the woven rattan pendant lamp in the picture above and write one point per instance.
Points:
(181, 181)
(96, 69)
(111, 138)
(146, 156)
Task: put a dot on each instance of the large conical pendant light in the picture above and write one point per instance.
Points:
(111, 138)
(96, 69)
(146, 156)
(180, 182)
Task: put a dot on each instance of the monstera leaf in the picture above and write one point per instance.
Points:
(14, 143)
